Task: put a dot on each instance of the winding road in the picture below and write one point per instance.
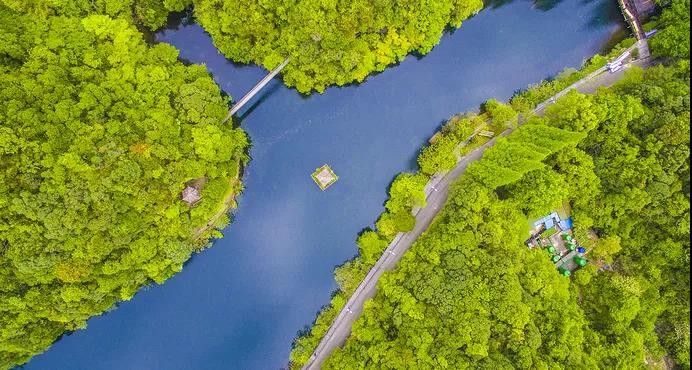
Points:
(437, 191)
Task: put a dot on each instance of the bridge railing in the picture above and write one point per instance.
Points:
(251, 94)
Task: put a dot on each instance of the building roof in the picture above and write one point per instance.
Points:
(191, 195)
(548, 220)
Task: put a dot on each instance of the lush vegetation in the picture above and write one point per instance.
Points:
(329, 42)
(99, 135)
(150, 13)
(674, 37)
(526, 100)
(470, 294)
(406, 192)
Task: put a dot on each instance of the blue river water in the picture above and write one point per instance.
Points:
(239, 304)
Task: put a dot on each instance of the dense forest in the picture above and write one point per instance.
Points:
(328, 42)
(99, 135)
(469, 294)
(148, 13)
(100, 132)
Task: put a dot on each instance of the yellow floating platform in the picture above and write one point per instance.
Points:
(324, 177)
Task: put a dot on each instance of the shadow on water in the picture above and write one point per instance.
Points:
(603, 14)
(615, 39)
(179, 19)
(264, 95)
(494, 4)
(543, 5)
(546, 5)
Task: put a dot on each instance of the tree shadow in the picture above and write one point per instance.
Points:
(603, 14)
(179, 19)
(543, 5)
(546, 5)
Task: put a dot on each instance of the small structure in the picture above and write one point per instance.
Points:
(324, 177)
(643, 8)
(486, 133)
(553, 234)
(564, 271)
(191, 195)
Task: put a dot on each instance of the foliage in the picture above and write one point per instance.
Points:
(512, 158)
(407, 191)
(502, 115)
(440, 155)
(99, 135)
(539, 192)
(575, 112)
(328, 41)
(673, 40)
(151, 13)
(459, 298)
(469, 294)
(526, 100)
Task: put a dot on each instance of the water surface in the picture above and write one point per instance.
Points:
(239, 304)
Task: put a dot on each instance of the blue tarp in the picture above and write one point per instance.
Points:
(566, 224)
(548, 220)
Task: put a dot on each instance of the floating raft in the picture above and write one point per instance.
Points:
(324, 177)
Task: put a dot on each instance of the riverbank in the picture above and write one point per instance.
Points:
(219, 220)
(470, 292)
(435, 161)
(117, 155)
(414, 308)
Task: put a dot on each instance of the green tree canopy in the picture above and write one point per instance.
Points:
(469, 294)
(151, 13)
(99, 135)
(329, 41)
(674, 37)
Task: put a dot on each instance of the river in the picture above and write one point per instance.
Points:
(239, 304)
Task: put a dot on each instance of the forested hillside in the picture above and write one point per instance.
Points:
(150, 13)
(469, 294)
(329, 42)
(99, 135)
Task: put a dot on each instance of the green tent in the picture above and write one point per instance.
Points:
(551, 249)
(580, 261)
(564, 271)
(556, 258)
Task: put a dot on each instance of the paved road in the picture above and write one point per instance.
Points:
(601, 77)
(437, 191)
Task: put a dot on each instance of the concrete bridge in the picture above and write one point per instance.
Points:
(251, 94)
